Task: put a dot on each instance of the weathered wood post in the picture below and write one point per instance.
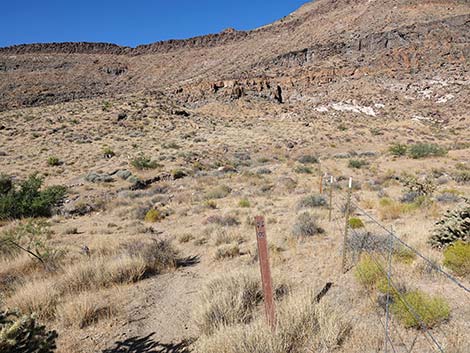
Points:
(265, 271)
(346, 225)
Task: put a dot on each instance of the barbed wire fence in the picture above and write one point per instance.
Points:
(422, 307)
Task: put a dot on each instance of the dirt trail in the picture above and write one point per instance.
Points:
(160, 313)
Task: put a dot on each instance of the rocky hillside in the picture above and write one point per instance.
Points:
(327, 51)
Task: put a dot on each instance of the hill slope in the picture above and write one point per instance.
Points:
(326, 41)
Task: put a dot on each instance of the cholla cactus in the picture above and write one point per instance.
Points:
(454, 226)
(22, 334)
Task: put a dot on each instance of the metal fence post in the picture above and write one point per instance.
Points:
(346, 225)
(330, 199)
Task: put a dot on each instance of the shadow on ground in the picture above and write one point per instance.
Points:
(147, 345)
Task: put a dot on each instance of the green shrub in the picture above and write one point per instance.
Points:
(53, 161)
(357, 163)
(430, 310)
(22, 334)
(302, 169)
(244, 203)
(454, 226)
(423, 150)
(108, 152)
(355, 223)
(143, 162)
(178, 174)
(6, 184)
(462, 176)
(308, 159)
(306, 225)
(457, 258)
(369, 272)
(312, 201)
(28, 200)
(398, 149)
(154, 216)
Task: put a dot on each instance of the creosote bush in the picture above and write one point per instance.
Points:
(355, 223)
(27, 199)
(457, 258)
(432, 310)
(398, 149)
(53, 161)
(143, 162)
(357, 163)
(22, 333)
(423, 150)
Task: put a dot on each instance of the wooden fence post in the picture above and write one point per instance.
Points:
(321, 184)
(265, 271)
(346, 225)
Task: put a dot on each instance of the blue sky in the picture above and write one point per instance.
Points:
(131, 22)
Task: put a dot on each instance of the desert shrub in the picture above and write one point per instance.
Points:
(303, 169)
(423, 150)
(462, 176)
(143, 162)
(154, 216)
(227, 251)
(108, 152)
(357, 163)
(398, 149)
(361, 240)
(312, 201)
(369, 272)
(226, 221)
(355, 223)
(6, 184)
(391, 209)
(218, 192)
(457, 258)
(244, 203)
(178, 174)
(448, 197)
(454, 226)
(415, 306)
(28, 200)
(53, 161)
(306, 225)
(308, 159)
(22, 333)
(211, 204)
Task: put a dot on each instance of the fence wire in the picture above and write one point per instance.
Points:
(393, 257)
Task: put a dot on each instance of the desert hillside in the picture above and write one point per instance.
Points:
(131, 177)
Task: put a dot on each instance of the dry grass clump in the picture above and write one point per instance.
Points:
(140, 259)
(227, 251)
(457, 258)
(86, 309)
(218, 192)
(228, 300)
(302, 325)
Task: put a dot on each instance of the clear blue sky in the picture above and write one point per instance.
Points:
(131, 22)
